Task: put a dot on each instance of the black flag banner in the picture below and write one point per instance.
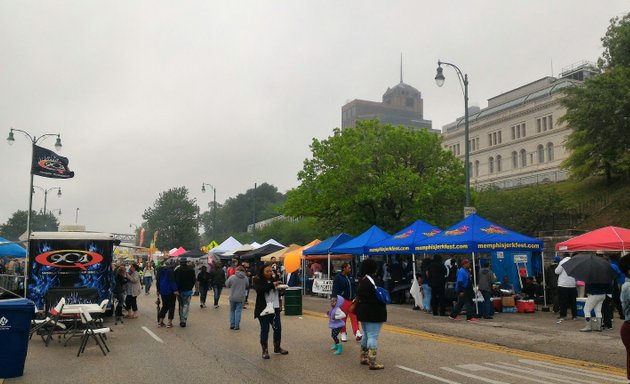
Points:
(47, 163)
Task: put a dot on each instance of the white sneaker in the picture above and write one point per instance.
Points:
(344, 337)
(358, 335)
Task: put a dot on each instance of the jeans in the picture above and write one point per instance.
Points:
(371, 332)
(184, 306)
(235, 313)
(274, 322)
(148, 280)
(217, 293)
(625, 338)
(438, 302)
(464, 301)
(168, 305)
(203, 294)
(594, 302)
(131, 303)
(487, 307)
(426, 303)
(567, 297)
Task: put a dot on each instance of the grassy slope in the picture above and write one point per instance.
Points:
(617, 197)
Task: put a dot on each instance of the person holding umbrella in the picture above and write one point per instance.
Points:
(567, 291)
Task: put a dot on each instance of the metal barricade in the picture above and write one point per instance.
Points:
(11, 286)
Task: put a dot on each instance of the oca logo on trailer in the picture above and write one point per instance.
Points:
(69, 258)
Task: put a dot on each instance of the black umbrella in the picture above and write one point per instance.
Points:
(590, 268)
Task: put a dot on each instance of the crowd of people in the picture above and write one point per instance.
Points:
(439, 285)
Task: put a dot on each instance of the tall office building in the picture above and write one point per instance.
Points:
(401, 105)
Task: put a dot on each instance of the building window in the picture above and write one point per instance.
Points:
(549, 151)
(409, 102)
(477, 168)
(491, 165)
(518, 132)
(514, 160)
(550, 122)
(513, 133)
(541, 154)
(544, 124)
(538, 125)
(458, 150)
(489, 139)
(523, 158)
(477, 140)
(499, 137)
(498, 163)
(523, 133)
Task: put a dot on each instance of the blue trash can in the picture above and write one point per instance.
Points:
(15, 323)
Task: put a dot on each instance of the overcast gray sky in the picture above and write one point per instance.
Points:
(150, 95)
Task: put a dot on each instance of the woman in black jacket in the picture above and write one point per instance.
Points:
(266, 290)
(371, 312)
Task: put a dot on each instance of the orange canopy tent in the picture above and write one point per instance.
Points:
(293, 258)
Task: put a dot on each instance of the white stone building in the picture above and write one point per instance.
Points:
(517, 139)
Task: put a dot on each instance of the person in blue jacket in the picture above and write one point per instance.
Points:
(465, 293)
(167, 287)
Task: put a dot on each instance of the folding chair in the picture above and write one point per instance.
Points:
(46, 327)
(98, 334)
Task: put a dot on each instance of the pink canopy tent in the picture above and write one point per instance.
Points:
(603, 239)
(177, 252)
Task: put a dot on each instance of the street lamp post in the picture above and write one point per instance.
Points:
(214, 206)
(46, 193)
(34, 140)
(439, 80)
(76, 216)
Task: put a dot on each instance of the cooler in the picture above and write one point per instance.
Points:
(525, 306)
(579, 303)
(496, 304)
(15, 324)
(293, 301)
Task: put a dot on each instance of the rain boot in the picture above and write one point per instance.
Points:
(596, 324)
(588, 326)
(364, 356)
(278, 349)
(372, 360)
(338, 349)
(265, 351)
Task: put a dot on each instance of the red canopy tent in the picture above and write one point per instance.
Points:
(603, 239)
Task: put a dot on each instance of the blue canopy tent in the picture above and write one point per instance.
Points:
(476, 234)
(360, 244)
(324, 248)
(404, 241)
(9, 248)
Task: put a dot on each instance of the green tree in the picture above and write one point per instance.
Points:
(174, 216)
(527, 210)
(16, 225)
(291, 232)
(598, 112)
(238, 212)
(378, 174)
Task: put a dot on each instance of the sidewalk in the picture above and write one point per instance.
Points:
(535, 332)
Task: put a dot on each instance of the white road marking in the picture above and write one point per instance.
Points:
(581, 372)
(473, 376)
(427, 375)
(537, 372)
(153, 335)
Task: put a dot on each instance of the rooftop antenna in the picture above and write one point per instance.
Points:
(551, 67)
(401, 79)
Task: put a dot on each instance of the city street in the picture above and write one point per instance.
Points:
(414, 346)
